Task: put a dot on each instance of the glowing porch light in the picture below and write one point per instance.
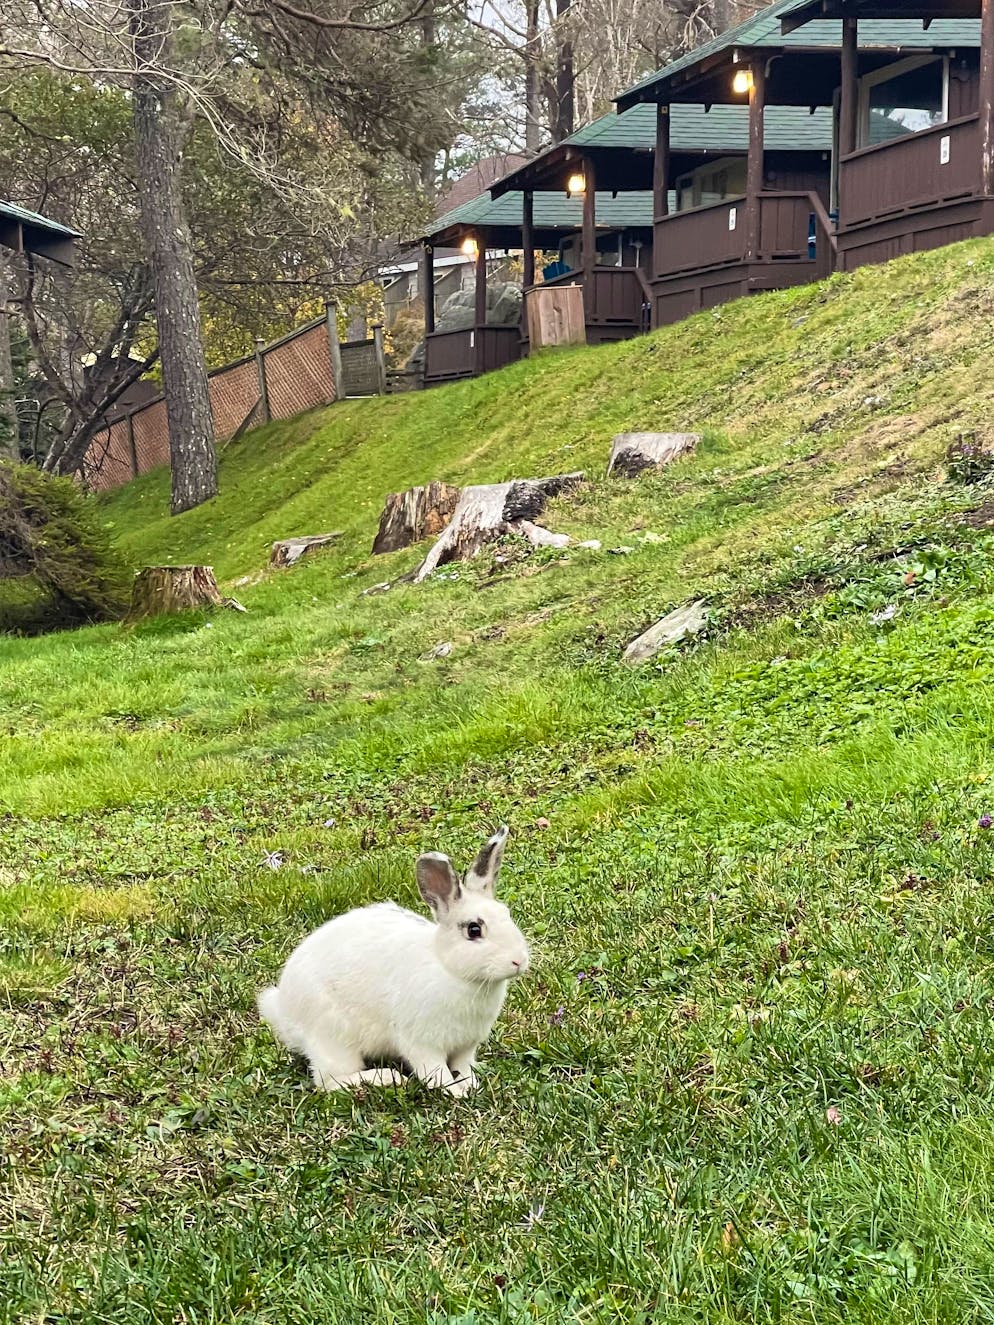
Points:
(742, 82)
(470, 247)
(576, 186)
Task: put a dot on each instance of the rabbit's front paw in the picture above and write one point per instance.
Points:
(464, 1085)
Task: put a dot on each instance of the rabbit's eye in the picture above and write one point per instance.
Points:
(474, 930)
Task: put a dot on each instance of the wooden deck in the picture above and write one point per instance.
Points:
(707, 256)
(912, 194)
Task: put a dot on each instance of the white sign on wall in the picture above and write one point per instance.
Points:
(732, 217)
(944, 150)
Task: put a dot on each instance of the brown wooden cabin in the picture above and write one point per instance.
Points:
(915, 133)
(487, 226)
(777, 226)
(707, 163)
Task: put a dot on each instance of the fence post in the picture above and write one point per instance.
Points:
(381, 362)
(131, 444)
(260, 363)
(335, 349)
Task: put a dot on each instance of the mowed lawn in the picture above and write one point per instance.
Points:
(749, 1077)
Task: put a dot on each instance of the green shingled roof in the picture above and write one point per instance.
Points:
(692, 128)
(763, 30)
(553, 211)
(14, 213)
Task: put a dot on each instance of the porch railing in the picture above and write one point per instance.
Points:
(793, 227)
(931, 166)
(473, 350)
(614, 296)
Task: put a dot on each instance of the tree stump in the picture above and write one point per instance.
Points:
(633, 452)
(288, 551)
(161, 589)
(486, 512)
(418, 513)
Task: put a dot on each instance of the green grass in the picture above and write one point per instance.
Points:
(750, 1076)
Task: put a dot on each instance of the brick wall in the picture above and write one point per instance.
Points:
(298, 377)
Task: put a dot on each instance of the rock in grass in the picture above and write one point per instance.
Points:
(633, 452)
(675, 626)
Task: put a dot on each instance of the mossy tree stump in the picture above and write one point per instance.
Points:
(486, 512)
(159, 590)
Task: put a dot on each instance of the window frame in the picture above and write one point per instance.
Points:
(886, 75)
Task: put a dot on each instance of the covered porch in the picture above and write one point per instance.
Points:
(915, 132)
(760, 218)
(603, 174)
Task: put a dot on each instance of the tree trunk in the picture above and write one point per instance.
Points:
(161, 589)
(532, 56)
(565, 78)
(158, 144)
(9, 444)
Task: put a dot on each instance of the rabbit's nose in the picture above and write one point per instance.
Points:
(516, 965)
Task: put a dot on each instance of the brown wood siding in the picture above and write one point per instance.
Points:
(908, 172)
(684, 241)
(453, 354)
(914, 232)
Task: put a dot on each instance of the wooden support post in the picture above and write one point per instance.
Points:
(132, 449)
(334, 348)
(849, 91)
(428, 286)
(661, 163)
(381, 361)
(987, 98)
(528, 237)
(754, 166)
(528, 255)
(588, 243)
(260, 364)
(480, 310)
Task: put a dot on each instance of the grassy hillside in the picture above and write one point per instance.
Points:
(749, 1077)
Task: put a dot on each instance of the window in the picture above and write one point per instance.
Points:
(903, 98)
(711, 183)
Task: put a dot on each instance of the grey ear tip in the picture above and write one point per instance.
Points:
(501, 834)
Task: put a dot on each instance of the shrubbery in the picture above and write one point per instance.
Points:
(57, 565)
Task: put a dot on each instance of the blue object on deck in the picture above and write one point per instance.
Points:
(554, 269)
(812, 237)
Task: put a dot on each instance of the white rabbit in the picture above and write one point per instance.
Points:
(381, 982)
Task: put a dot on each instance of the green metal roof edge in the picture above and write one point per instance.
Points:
(25, 217)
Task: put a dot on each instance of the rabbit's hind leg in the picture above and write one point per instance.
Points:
(339, 1066)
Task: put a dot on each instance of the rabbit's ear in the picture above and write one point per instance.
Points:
(482, 875)
(438, 882)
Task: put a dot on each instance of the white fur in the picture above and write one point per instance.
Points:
(381, 982)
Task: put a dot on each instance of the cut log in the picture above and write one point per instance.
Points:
(158, 590)
(486, 512)
(633, 452)
(288, 551)
(418, 513)
(675, 626)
